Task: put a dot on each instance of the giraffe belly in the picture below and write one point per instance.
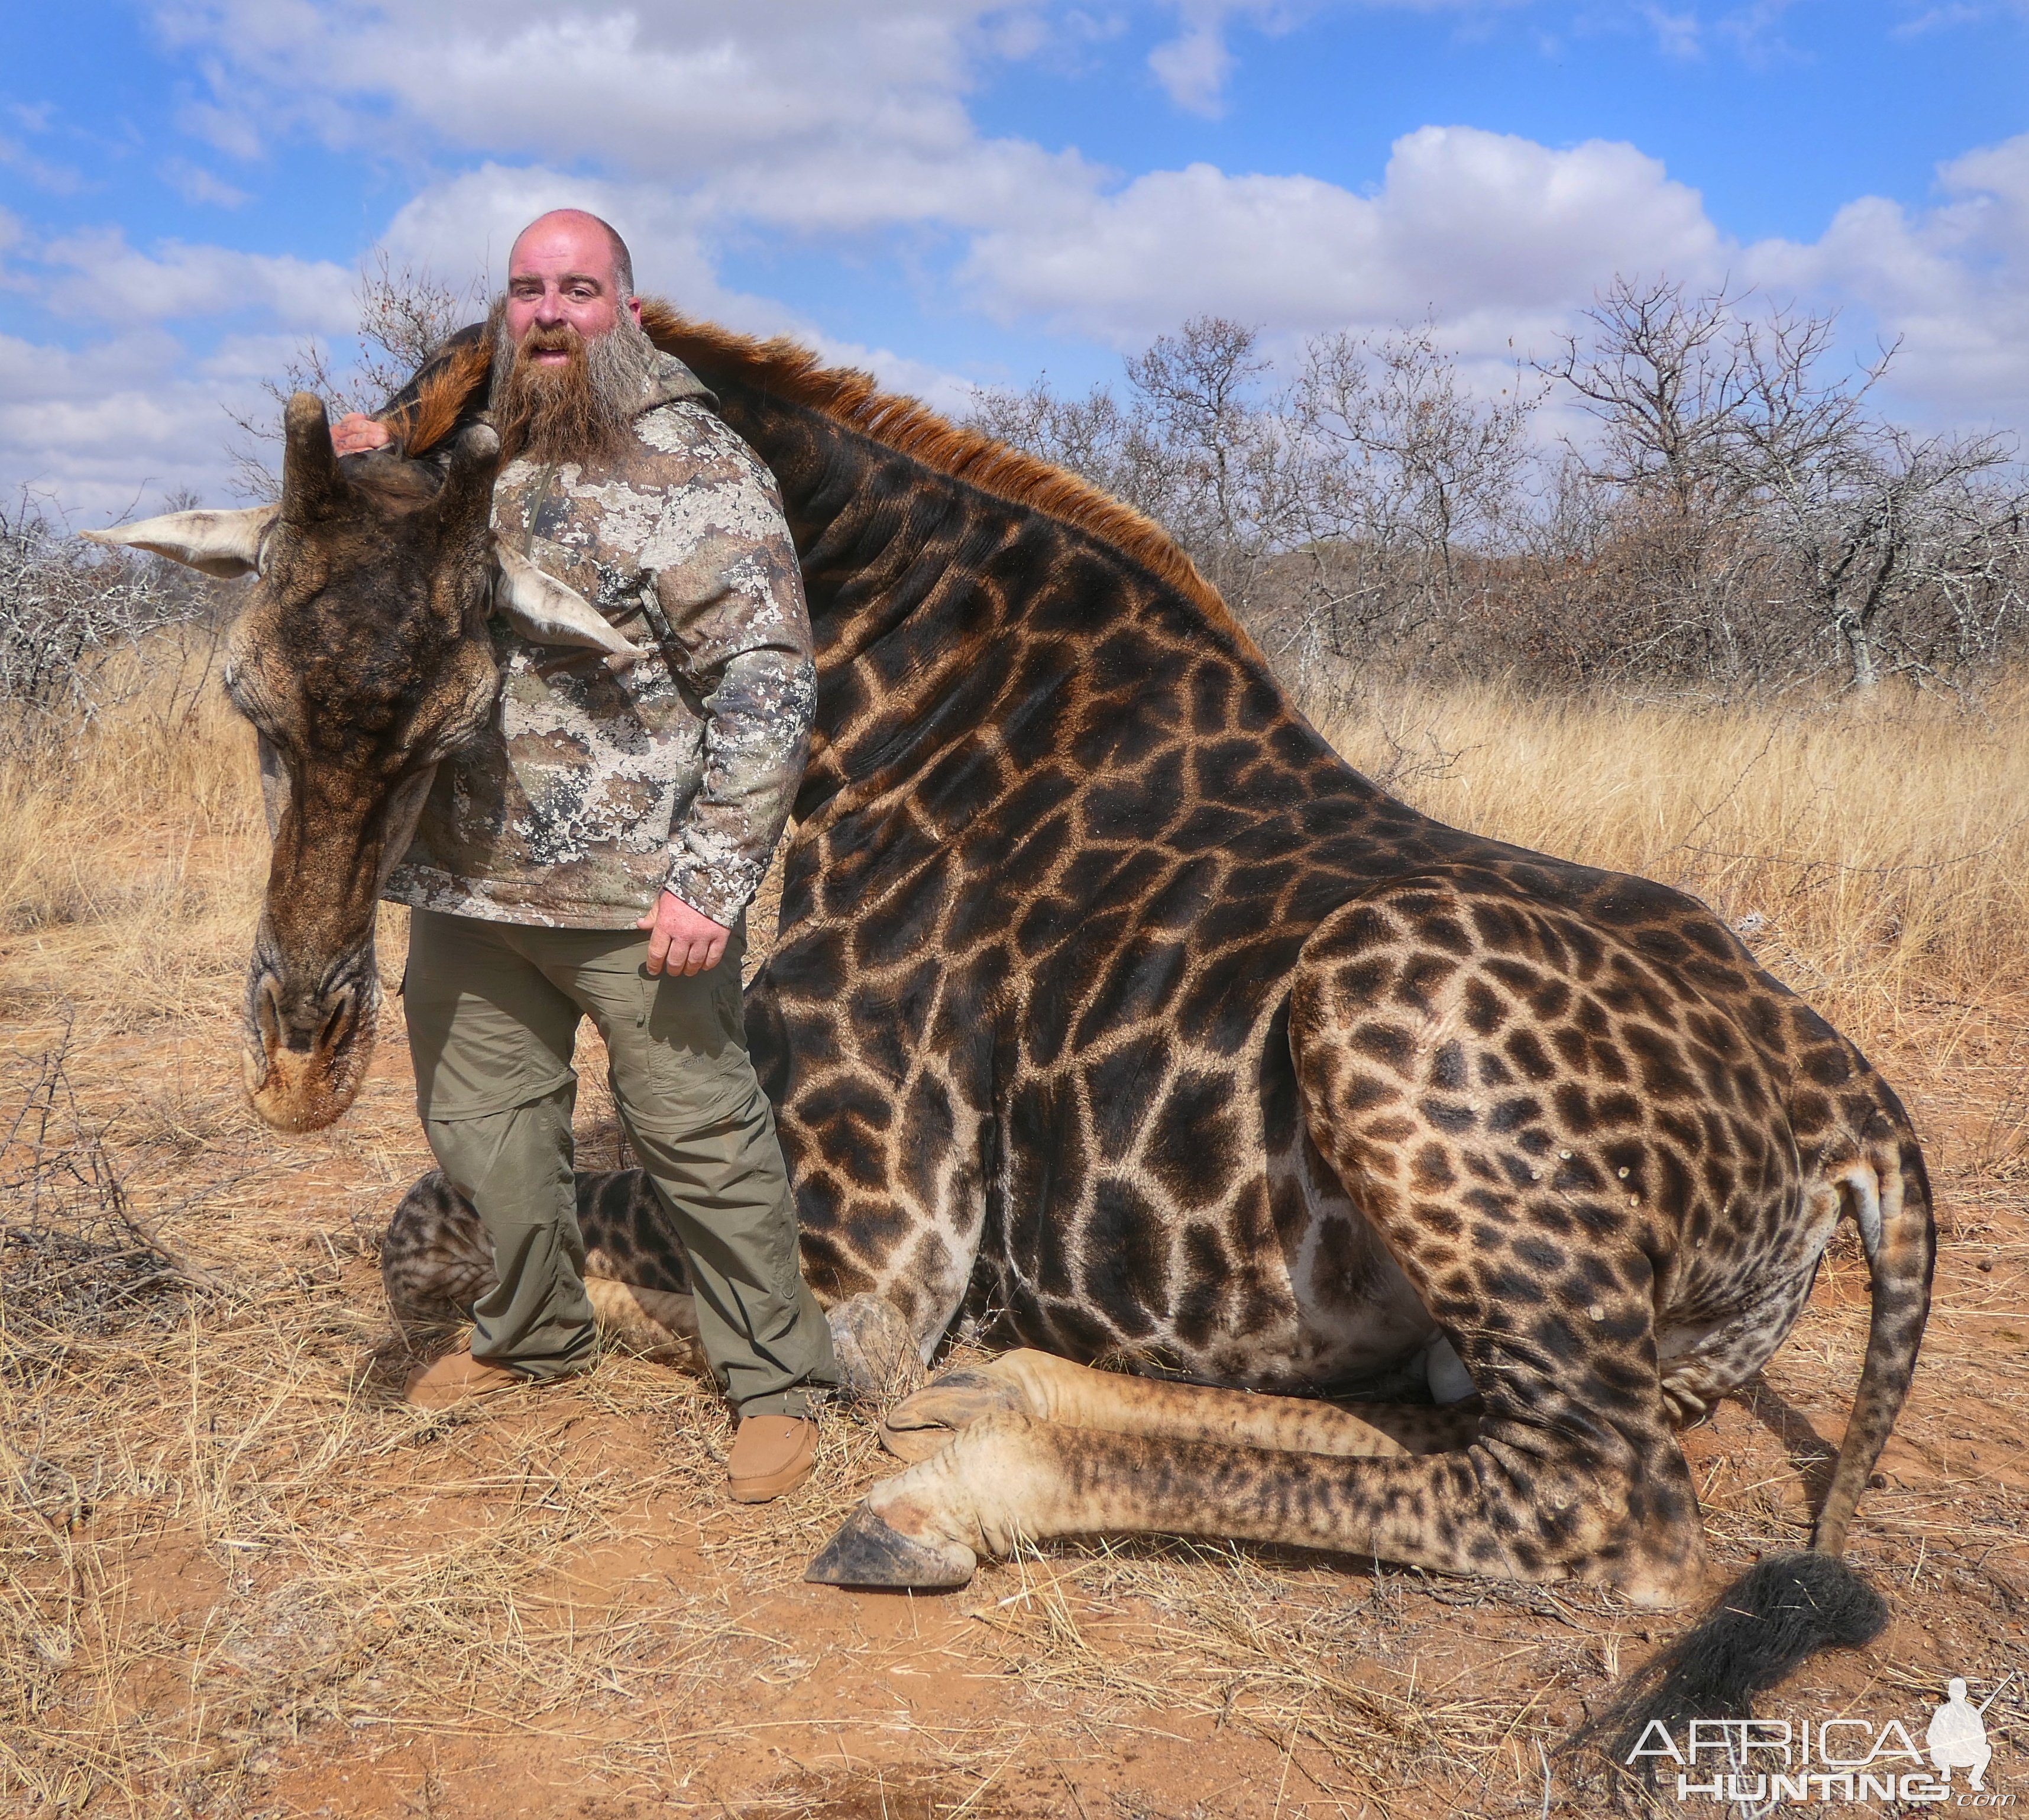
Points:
(1282, 1288)
(1380, 1348)
(1352, 1321)
(1341, 1319)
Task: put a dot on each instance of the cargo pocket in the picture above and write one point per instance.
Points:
(693, 1049)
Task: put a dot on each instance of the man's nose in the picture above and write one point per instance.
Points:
(549, 310)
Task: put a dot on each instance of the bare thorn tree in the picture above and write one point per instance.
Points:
(1228, 473)
(405, 316)
(1407, 483)
(1881, 524)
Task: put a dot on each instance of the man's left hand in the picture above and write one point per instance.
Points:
(681, 940)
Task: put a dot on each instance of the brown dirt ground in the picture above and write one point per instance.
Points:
(241, 1579)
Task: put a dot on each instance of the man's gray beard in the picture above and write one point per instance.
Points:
(580, 415)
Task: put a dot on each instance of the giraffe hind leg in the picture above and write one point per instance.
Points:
(1534, 1271)
(1479, 1069)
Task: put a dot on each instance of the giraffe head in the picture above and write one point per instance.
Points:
(362, 658)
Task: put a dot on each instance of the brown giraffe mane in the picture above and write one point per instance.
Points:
(847, 396)
(442, 390)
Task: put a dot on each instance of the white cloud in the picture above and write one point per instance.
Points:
(1193, 67)
(1485, 229)
(58, 179)
(136, 415)
(1951, 282)
(681, 88)
(116, 426)
(226, 129)
(1677, 34)
(103, 276)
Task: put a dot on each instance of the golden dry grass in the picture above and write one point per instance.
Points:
(1876, 855)
(237, 1577)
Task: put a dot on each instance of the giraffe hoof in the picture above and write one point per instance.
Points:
(928, 1422)
(876, 1352)
(867, 1552)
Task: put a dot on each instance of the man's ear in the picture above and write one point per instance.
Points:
(221, 544)
(544, 611)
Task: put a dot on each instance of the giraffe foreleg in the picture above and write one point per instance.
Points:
(436, 1260)
(1010, 1479)
(1049, 1389)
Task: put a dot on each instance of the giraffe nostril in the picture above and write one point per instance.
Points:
(337, 1021)
(268, 1014)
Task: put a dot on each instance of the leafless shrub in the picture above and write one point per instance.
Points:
(73, 1257)
(1742, 518)
(67, 616)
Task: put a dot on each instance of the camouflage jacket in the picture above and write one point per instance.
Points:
(587, 793)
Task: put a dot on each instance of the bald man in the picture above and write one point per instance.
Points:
(593, 853)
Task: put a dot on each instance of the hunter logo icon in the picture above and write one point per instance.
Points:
(1958, 1736)
(1755, 1764)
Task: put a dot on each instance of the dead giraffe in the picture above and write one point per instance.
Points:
(1112, 1008)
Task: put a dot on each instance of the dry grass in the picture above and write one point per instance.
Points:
(237, 1577)
(1877, 857)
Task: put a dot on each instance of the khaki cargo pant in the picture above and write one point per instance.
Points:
(493, 1011)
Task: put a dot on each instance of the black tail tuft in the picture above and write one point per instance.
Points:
(1767, 1623)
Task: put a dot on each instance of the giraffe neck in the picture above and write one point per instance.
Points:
(943, 614)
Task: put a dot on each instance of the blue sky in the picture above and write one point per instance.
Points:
(959, 191)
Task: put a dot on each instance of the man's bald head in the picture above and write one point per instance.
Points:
(580, 224)
(569, 267)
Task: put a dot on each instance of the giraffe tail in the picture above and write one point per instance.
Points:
(1790, 1605)
(1771, 1620)
(1887, 1190)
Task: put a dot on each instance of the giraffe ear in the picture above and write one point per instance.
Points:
(544, 611)
(221, 544)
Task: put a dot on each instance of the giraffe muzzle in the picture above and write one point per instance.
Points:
(305, 1050)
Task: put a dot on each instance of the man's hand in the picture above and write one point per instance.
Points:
(681, 940)
(355, 433)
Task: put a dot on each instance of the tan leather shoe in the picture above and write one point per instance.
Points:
(458, 1377)
(771, 1454)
